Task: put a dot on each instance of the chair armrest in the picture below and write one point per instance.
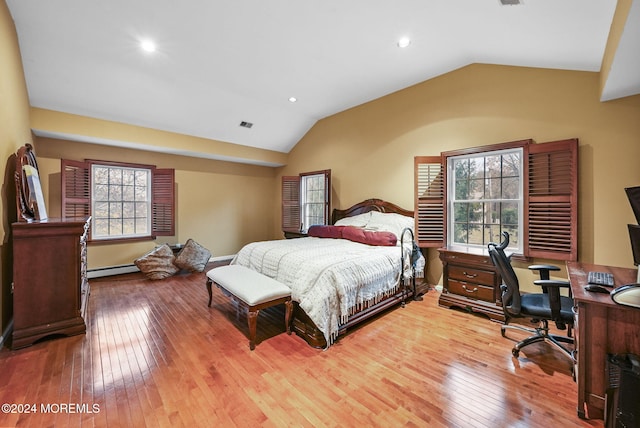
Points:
(544, 270)
(544, 267)
(551, 283)
(552, 289)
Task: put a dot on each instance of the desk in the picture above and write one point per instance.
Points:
(602, 327)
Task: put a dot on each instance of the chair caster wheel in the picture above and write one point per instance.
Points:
(515, 352)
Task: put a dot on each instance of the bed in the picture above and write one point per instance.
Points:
(345, 273)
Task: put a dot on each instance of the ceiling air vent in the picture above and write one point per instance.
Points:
(510, 2)
(246, 124)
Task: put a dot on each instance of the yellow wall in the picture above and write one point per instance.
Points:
(221, 205)
(14, 132)
(370, 148)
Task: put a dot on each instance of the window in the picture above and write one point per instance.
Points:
(485, 198)
(463, 198)
(313, 200)
(125, 201)
(120, 201)
(305, 200)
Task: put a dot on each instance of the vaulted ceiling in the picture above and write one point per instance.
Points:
(218, 63)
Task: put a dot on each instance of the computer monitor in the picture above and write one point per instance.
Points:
(633, 193)
(634, 236)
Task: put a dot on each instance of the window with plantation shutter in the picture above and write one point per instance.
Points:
(306, 200)
(550, 198)
(126, 201)
(429, 201)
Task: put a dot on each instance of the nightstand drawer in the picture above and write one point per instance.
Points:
(471, 290)
(466, 274)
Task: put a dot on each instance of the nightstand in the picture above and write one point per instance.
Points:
(470, 282)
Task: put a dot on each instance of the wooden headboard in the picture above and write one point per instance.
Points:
(369, 205)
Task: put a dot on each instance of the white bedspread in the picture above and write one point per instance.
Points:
(329, 278)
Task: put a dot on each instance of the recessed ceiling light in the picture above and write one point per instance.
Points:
(148, 46)
(293, 99)
(404, 42)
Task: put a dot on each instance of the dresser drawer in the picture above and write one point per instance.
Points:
(471, 290)
(467, 274)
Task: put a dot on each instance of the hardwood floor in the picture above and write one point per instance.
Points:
(155, 355)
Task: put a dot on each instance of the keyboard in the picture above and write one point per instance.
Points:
(600, 278)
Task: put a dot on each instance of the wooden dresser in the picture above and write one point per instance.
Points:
(470, 282)
(50, 286)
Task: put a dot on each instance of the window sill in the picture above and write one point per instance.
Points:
(120, 240)
(483, 252)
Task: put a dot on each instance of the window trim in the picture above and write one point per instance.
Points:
(450, 199)
(148, 201)
(327, 196)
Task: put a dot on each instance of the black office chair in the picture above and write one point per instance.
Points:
(540, 307)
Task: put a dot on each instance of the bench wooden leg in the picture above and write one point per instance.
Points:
(252, 318)
(287, 315)
(209, 291)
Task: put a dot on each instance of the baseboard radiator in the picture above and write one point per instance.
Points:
(130, 268)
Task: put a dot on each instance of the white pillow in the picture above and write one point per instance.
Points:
(390, 222)
(359, 220)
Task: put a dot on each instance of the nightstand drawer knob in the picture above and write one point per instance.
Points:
(468, 275)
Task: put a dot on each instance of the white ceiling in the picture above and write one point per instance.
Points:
(222, 62)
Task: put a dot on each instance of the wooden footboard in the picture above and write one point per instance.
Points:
(305, 328)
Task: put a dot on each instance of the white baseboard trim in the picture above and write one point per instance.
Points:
(121, 269)
(111, 270)
(6, 333)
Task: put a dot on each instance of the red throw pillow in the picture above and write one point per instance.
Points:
(320, 231)
(356, 234)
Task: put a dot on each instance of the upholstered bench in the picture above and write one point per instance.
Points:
(252, 290)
